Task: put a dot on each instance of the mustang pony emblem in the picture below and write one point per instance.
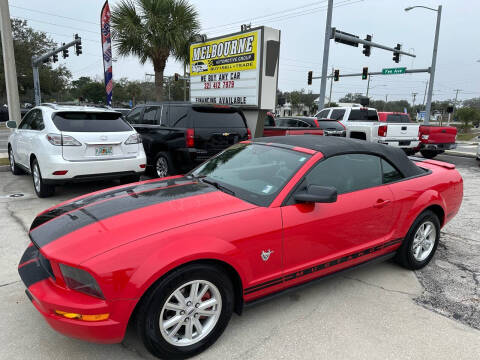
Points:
(266, 254)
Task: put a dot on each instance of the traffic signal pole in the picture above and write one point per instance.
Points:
(9, 63)
(326, 50)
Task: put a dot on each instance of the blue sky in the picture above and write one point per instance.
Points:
(302, 24)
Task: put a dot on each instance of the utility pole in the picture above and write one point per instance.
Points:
(184, 82)
(368, 84)
(414, 96)
(326, 50)
(425, 94)
(432, 69)
(331, 85)
(9, 63)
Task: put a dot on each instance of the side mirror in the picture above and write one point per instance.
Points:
(317, 194)
(11, 124)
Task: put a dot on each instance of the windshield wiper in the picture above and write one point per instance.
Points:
(218, 186)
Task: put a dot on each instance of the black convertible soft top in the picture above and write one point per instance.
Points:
(331, 145)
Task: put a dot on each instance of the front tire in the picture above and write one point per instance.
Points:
(14, 168)
(186, 312)
(421, 242)
(41, 189)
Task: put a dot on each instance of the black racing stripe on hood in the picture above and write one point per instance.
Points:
(77, 219)
(61, 210)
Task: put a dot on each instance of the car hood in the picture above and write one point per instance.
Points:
(76, 231)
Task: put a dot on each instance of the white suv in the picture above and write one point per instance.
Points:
(61, 144)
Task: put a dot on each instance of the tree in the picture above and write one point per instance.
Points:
(473, 103)
(27, 43)
(88, 90)
(153, 30)
(468, 116)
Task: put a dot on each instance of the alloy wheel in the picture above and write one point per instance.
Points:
(190, 313)
(36, 177)
(12, 160)
(424, 241)
(161, 167)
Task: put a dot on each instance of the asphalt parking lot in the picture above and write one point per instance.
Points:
(377, 312)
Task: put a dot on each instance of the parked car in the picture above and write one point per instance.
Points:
(123, 111)
(434, 140)
(365, 124)
(175, 257)
(179, 136)
(301, 125)
(409, 138)
(64, 144)
(478, 149)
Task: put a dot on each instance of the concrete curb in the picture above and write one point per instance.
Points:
(461, 153)
(4, 168)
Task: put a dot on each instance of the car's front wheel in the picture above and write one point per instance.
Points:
(185, 312)
(41, 189)
(421, 242)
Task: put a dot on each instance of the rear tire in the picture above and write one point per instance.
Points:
(41, 189)
(176, 322)
(409, 152)
(14, 168)
(163, 166)
(429, 154)
(417, 249)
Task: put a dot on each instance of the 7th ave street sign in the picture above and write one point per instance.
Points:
(394, 71)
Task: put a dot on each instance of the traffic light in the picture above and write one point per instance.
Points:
(365, 73)
(367, 48)
(176, 76)
(55, 58)
(310, 76)
(78, 46)
(336, 75)
(65, 52)
(396, 55)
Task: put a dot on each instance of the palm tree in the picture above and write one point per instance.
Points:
(153, 30)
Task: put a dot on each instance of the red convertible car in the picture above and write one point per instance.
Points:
(176, 256)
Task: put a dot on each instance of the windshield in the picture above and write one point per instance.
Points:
(253, 172)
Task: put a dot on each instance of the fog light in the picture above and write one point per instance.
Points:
(96, 317)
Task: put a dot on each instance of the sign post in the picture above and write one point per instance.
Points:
(240, 70)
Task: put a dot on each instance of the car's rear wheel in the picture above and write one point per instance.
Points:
(163, 165)
(185, 312)
(41, 189)
(421, 242)
(429, 154)
(16, 170)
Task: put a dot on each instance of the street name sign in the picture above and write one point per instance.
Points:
(394, 71)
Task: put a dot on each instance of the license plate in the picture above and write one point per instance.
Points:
(404, 143)
(103, 150)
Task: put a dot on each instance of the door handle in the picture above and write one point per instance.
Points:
(381, 203)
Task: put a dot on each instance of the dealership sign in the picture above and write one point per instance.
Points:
(227, 70)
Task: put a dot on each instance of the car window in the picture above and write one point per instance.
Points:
(398, 118)
(162, 116)
(268, 121)
(390, 174)
(211, 117)
(27, 119)
(37, 120)
(303, 124)
(323, 113)
(337, 114)
(347, 173)
(77, 121)
(134, 116)
(149, 115)
(179, 116)
(363, 115)
(286, 122)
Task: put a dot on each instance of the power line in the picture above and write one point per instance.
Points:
(58, 25)
(51, 14)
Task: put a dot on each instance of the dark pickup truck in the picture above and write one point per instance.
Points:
(178, 136)
(300, 125)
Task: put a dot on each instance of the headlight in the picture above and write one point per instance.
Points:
(80, 280)
(133, 139)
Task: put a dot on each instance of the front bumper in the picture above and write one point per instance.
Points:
(47, 297)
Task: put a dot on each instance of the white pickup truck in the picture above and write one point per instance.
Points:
(363, 123)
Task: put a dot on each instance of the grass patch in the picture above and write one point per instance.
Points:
(4, 161)
(467, 137)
